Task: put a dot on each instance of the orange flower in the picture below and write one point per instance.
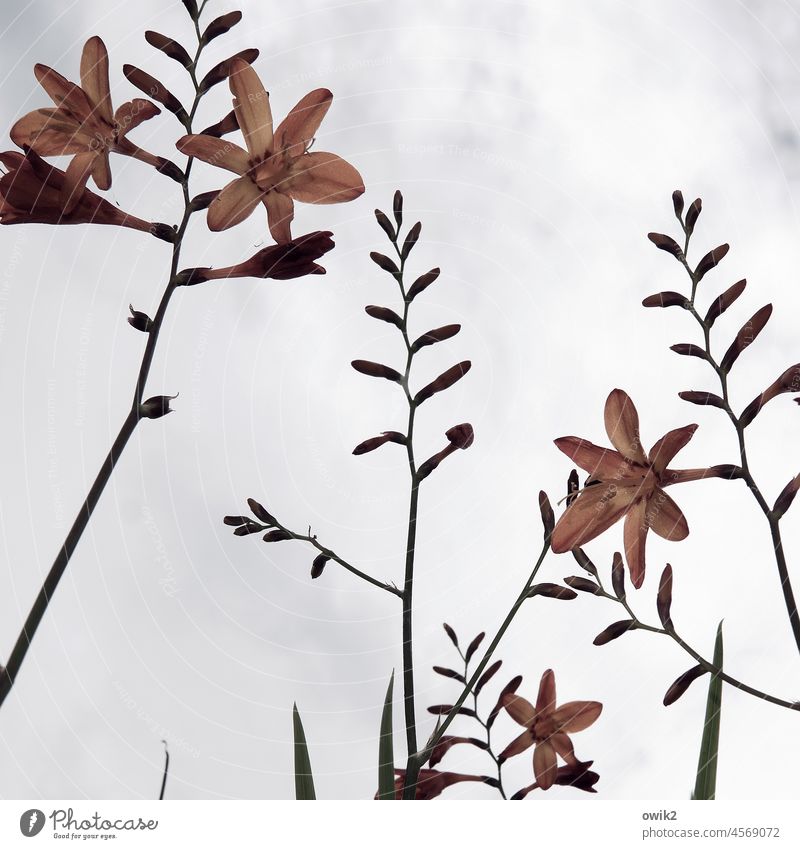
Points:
(276, 169)
(32, 191)
(84, 124)
(627, 482)
(547, 727)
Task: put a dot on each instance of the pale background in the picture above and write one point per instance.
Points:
(538, 142)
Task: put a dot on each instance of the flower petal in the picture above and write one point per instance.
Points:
(673, 476)
(324, 178)
(75, 178)
(101, 171)
(299, 126)
(622, 426)
(546, 699)
(665, 517)
(62, 92)
(251, 104)
(133, 113)
(594, 511)
(602, 463)
(662, 453)
(545, 765)
(50, 132)
(94, 77)
(634, 537)
(233, 204)
(223, 154)
(519, 709)
(563, 746)
(280, 212)
(517, 745)
(575, 716)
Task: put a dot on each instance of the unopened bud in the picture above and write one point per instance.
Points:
(139, 320)
(165, 232)
(462, 436)
(677, 203)
(155, 407)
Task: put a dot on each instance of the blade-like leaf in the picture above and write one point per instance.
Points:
(303, 776)
(166, 772)
(706, 784)
(386, 748)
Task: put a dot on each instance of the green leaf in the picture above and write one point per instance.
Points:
(303, 777)
(386, 748)
(706, 784)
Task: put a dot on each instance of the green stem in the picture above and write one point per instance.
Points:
(416, 762)
(708, 665)
(332, 555)
(9, 673)
(774, 523)
(487, 731)
(411, 536)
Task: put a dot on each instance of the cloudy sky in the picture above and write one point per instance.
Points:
(538, 143)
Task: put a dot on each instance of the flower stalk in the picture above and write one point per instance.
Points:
(722, 368)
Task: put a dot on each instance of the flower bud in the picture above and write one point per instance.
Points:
(139, 320)
(677, 203)
(462, 436)
(155, 407)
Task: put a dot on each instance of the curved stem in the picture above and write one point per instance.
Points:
(9, 673)
(708, 665)
(312, 539)
(774, 522)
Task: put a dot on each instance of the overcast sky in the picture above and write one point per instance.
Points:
(538, 143)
